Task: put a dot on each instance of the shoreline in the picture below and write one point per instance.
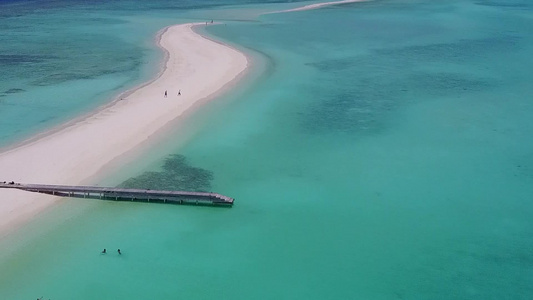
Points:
(82, 148)
(82, 117)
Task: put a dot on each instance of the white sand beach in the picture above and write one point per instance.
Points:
(317, 5)
(197, 66)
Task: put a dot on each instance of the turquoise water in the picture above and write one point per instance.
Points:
(383, 153)
(57, 64)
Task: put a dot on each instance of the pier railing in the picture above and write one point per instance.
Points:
(121, 194)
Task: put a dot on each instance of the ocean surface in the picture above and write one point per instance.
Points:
(379, 150)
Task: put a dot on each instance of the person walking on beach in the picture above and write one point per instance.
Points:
(165, 93)
(179, 93)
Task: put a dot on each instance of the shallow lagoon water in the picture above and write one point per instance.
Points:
(383, 154)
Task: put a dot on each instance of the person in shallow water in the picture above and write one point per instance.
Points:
(104, 251)
(119, 253)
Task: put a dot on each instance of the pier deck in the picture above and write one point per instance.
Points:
(120, 194)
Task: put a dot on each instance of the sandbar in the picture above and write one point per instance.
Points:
(195, 66)
(316, 6)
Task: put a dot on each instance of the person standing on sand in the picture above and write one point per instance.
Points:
(165, 93)
(179, 93)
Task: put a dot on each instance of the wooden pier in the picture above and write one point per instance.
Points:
(119, 194)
